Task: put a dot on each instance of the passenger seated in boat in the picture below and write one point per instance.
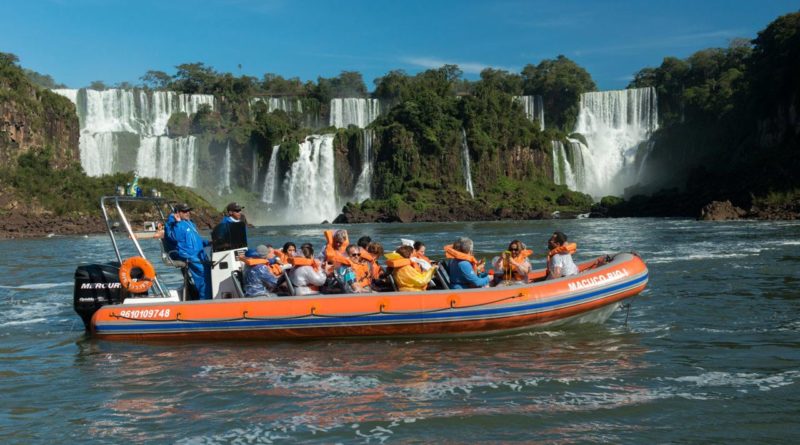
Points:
(513, 264)
(464, 270)
(375, 249)
(307, 274)
(364, 241)
(408, 278)
(419, 258)
(288, 250)
(559, 259)
(352, 272)
(259, 278)
(334, 251)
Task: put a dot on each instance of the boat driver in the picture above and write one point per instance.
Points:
(181, 232)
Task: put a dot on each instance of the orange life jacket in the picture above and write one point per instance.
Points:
(281, 256)
(275, 269)
(397, 263)
(569, 248)
(420, 256)
(336, 256)
(515, 273)
(450, 252)
(298, 261)
(363, 275)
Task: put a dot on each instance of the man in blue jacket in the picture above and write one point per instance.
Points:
(189, 245)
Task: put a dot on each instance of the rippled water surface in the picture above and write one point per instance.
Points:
(710, 353)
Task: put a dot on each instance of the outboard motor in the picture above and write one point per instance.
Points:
(96, 285)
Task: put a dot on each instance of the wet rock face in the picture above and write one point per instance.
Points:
(721, 211)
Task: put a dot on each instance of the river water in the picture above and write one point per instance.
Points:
(709, 352)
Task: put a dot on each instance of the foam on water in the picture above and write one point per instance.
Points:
(741, 381)
(39, 286)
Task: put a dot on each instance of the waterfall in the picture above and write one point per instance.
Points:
(268, 194)
(123, 130)
(309, 185)
(615, 125)
(534, 108)
(363, 186)
(224, 186)
(254, 171)
(568, 163)
(286, 104)
(466, 162)
(171, 160)
(353, 111)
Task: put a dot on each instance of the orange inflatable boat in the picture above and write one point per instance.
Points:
(588, 297)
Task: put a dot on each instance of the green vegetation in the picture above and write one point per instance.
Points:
(69, 191)
(727, 116)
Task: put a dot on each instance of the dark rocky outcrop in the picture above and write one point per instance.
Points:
(721, 211)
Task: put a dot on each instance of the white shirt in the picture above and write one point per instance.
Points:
(304, 276)
(563, 261)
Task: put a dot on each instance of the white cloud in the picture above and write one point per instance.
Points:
(467, 67)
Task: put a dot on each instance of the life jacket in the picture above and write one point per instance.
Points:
(420, 256)
(397, 263)
(450, 252)
(298, 261)
(569, 248)
(363, 274)
(275, 269)
(515, 273)
(281, 256)
(336, 256)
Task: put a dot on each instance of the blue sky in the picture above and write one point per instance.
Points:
(78, 41)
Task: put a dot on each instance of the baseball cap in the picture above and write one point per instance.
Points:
(234, 207)
(182, 207)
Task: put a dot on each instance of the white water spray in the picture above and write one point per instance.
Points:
(363, 186)
(615, 124)
(268, 194)
(353, 111)
(466, 163)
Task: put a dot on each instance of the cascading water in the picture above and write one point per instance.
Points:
(171, 160)
(268, 194)
(309, 187)
(362, 190)
(224, 186)
(254, 171)
(466, 163)
(534, 108)
(353, 111)
(568, 163)
(117, 123)
(615, 125)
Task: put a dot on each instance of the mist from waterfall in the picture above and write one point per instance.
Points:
(363, 186)
(615, 124)
(309, 186)
(466, 163)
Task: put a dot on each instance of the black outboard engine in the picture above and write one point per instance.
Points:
(96, 285)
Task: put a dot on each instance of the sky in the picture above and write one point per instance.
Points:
(79, 41)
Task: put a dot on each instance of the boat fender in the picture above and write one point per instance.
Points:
(136, 285)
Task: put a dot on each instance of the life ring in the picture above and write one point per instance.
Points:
(136, 285)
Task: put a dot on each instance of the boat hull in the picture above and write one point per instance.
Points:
(589, 297)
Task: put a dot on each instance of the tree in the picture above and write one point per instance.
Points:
(194, 78)
(42, 80)
(156, 80)
(98, 85)
(560, 82)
